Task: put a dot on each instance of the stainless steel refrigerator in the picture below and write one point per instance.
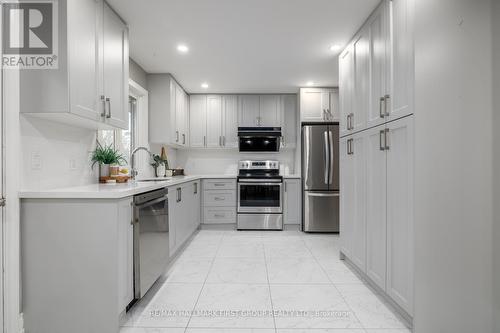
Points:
(320, 177)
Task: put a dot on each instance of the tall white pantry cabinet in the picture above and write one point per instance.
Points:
(376, 151)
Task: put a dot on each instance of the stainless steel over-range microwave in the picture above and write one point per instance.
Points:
(259, 139)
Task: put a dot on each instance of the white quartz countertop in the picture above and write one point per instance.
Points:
(117, 191)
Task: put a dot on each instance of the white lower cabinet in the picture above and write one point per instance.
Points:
(376, 184)
(125, 254)
(292, 213)
(400, 150)
(219, 201)
(184, 213)
(352, 199)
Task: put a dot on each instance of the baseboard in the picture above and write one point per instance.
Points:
(292, 227)
(221, 226)
(379, 292)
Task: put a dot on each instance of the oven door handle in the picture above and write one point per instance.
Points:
(261, 181)
(152, 202)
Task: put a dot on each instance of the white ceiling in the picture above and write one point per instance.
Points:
(242, 46)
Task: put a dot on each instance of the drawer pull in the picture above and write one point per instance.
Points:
(219, 184)
(219, 215)
(219, 199)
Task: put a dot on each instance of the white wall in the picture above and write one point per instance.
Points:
(453, 167)
(57, 145)
(226, 161)
(496, 163)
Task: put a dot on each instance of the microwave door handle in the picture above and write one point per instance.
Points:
(327, 157)
(330, 169)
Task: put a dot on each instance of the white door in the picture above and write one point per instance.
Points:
(84, 90)
(361, 80)
(248, 111)
(289, 116)
(379, 41)
(115, 69)
(270, 111)
(376, 226)
(198, 120)
(293, 201)
(230, 121)
(214, 121)
(400, 102)
(347, 198)
(312, 104)
(180, 116)
(400, 212)
(346, 88)
(358, 155)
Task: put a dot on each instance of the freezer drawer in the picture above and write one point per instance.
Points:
(321, 211)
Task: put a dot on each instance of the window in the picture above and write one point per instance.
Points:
(123, 140)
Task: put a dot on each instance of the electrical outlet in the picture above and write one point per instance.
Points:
(72, 164)
(36, 160)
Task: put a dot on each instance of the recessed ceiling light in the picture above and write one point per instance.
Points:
(182, 48)
(335, 47)
(204, 85)
(310, 83)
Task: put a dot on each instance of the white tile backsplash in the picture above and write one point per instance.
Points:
(55, 155)
(208, 161)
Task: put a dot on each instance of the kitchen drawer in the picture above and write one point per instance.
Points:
(215, 215)
(219, 198)
(219, 184)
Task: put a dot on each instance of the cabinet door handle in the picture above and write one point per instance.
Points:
(382, 139)
(195, 188)
(382, 107)
(347, 123)
(204, 141)
(103, 101)
(386, 138)
(224, 140)
(108, 101)
(351, 121)
(220, 140)
(350, 151)
(183, 139)
(285, 186)
(176, 136)
(387, 99)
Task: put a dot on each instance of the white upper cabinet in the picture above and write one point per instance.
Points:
(168, 111)
(230, 121)
(249, 110)
(214, 121)
(115, 62)
(90, 87)
(378, 25)
(289, 115)
(319, 105)
(259, 111)
(269, 111)
(361, 48)
(198, 120)
(400, 99)
(376, 70)
(346, 89)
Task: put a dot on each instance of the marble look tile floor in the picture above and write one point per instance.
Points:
(263, 282)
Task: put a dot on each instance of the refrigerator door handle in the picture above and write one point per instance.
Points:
(327, 157)
(315, 194)
(330, 168)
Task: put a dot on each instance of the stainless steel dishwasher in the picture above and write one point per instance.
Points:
(151, 239)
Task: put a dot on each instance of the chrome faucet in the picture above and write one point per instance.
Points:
(133, 171)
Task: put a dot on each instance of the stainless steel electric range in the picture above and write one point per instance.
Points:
(260, 196)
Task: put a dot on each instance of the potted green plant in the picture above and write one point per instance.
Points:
(106, 156)
(156, 161)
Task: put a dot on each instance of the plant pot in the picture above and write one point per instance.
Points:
(104, 170)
